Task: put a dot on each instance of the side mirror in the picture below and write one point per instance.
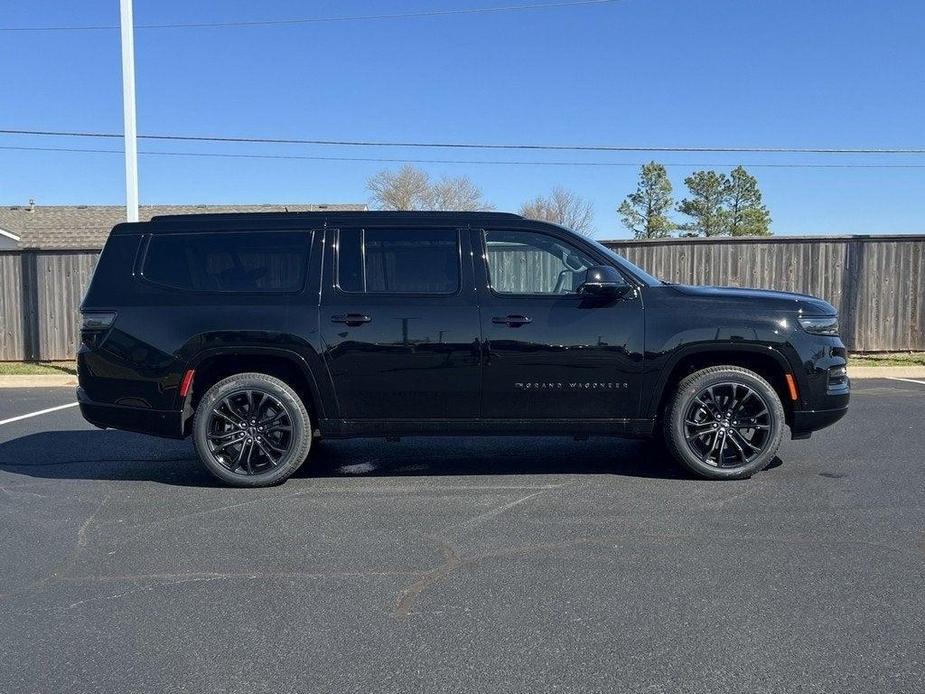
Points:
(603, 280)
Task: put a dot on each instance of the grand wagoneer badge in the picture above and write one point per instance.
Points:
(571, 385)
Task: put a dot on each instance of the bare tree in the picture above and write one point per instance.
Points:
(410, 188)
(405, 189)
(562, 207)
(458, 193)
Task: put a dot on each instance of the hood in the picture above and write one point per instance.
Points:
(788, 301)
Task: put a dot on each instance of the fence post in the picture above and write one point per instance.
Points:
(851, 287)
(30, 305)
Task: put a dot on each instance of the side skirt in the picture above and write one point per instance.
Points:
(626, 428)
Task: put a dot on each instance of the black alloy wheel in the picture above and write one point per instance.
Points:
(728, 425)
(724, 422)
(249, 432)
(252, 430)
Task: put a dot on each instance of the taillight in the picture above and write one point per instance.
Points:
(93, 326)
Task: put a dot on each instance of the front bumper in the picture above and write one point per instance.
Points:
(166, 423)
(805, 422)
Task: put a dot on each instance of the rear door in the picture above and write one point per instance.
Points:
(400, 324)
(550, 353)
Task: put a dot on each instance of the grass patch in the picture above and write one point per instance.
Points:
(38, 368)
(893, 359)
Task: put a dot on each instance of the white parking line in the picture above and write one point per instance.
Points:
(892, 378)
(36, 414)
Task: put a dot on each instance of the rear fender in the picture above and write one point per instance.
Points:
(306, 364)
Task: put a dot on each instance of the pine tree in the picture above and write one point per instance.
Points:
(645, 211)
(707, 204)
(747, 215)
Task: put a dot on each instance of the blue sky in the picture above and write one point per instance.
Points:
(829, 73)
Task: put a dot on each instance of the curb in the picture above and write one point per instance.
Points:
(62, 381)
(862, 372)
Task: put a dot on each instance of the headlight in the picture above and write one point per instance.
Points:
(820, 326)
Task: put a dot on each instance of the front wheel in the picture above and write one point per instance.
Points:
(724, 422)
(251, 430)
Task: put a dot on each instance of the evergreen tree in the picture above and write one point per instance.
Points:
(706, 205)
(645, 212)
(747, 215)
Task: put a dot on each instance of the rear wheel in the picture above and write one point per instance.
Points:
(251, 430)
(724, 422)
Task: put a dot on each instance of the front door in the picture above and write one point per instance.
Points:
(550, 353)
(400, 324)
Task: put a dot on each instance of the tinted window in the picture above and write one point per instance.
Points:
(229, 262)
(526, 262)
(414, 261)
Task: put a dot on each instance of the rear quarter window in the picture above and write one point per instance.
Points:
(112, 277)
(228, 261)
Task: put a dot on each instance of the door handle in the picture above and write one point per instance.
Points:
(353, 319)
(513, 321)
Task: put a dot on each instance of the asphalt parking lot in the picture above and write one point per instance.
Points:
(460, 565)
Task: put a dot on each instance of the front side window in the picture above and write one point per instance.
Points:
(398, 261)
(527, 262)
(229, 261)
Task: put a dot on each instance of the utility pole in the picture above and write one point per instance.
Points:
(128, 109)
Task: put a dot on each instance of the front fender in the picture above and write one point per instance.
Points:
(656, 379)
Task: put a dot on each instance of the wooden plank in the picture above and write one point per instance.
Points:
(12, 346)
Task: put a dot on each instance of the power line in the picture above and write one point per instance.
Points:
(494, 162)
(471, 145)
(318, 20)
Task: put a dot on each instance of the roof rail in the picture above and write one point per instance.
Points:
(382, 214)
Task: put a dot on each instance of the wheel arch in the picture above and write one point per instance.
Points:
(766, 361)
(212, 365)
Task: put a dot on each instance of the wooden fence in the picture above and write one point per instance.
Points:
(877, 283)
(41, 291)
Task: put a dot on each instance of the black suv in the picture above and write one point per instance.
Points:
(258, 334)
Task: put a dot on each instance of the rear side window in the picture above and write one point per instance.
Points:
(229, 262)
(398, 261)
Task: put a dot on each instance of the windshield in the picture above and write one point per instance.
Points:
(635, 269)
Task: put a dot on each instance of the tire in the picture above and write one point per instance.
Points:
(724, 422)
(257, 451)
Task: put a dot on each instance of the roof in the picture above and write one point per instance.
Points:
(8, 240)
(71, 227)
(296, 217)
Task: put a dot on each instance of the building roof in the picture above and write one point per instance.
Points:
(8, 240)
(72, 227)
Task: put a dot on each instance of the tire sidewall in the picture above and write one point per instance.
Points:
(689, 388)
(301, 428)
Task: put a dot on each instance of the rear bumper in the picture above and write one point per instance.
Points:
(166, 423)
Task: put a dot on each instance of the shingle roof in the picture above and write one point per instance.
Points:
(87, 226)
